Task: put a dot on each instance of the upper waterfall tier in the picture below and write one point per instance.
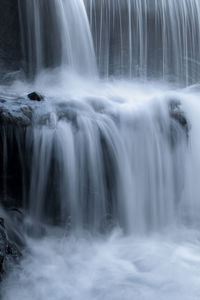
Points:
(147, 38)
(10, 50)
(56, 33)
(156, 39)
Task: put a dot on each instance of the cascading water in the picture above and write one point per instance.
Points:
(56, 34)
(108, 170)
(147, 39)
(91, 188)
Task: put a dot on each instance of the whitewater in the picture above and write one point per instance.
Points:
(111, 206)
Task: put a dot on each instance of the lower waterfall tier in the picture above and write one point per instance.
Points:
(93, 162)
(99, 191)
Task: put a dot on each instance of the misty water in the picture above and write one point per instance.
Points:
(113, 202)
(109, 267)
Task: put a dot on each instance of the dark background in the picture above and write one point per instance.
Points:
(10, 49)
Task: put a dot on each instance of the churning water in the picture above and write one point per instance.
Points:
(110, 268)
(113, 164)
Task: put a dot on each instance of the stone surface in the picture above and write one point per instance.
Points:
(9, 253)
(34, 96)
(179, 122)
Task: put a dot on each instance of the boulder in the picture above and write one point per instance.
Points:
(34, 96)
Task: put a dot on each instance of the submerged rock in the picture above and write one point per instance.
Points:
(179, 121)
(35, 96)
(178, 115)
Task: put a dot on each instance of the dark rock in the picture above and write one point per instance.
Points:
(35, 96)
(9, 252)
(20, 116)
(27, 111)
(178, 115)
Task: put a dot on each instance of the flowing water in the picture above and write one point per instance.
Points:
(110, 268)
(112, 164)
(147, 39)
(56, 34)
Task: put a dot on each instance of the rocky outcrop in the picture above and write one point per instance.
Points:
(9, 252)
(20, 116)
(178, 115)
(180, 125)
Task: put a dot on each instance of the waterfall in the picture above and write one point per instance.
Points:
(99, 167)
(103, 161)
(56, 34)
(147, 39)
(132, 38)
(109, 162)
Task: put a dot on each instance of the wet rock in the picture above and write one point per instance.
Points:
(9, 252)
(27, 111)
(21, 116)
(35, 96)
(178, 117)
(15, 227)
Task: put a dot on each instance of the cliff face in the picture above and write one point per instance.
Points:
(10, 49)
